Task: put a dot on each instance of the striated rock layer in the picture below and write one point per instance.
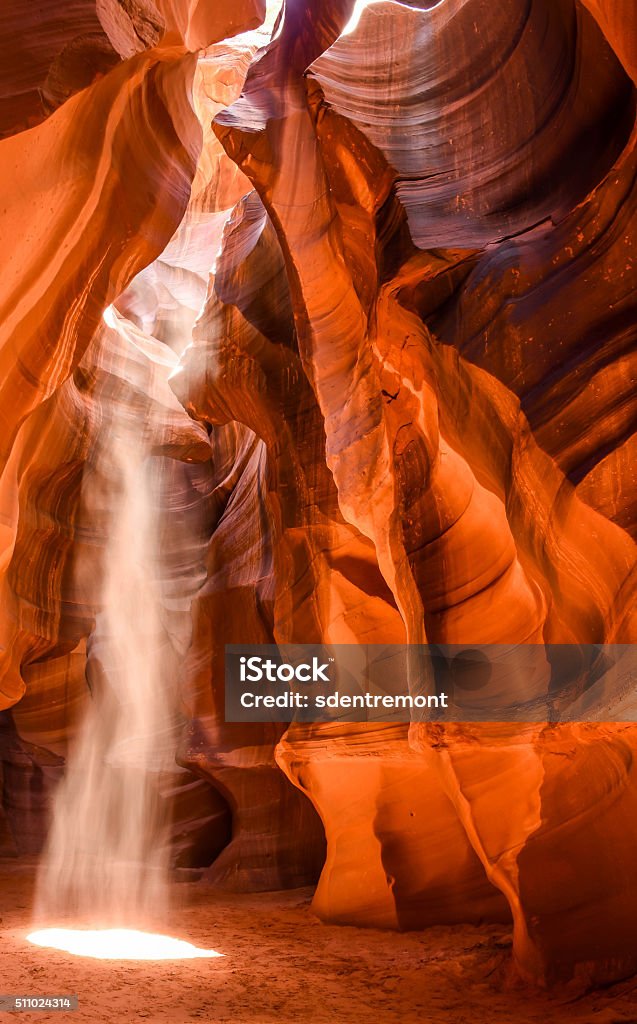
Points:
(384, 262)
(435, 454)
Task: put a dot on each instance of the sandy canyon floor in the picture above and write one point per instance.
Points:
(281, 964)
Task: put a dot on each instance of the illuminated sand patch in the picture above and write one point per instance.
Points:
(118, 944)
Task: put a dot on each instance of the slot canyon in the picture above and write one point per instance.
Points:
(318, 328)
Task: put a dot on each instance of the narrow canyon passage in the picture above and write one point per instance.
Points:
(317, 377)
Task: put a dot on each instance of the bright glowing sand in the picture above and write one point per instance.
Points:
(118, 944)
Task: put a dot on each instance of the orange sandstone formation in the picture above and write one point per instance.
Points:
(389, 265)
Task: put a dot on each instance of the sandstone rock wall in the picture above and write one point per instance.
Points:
(389, 266)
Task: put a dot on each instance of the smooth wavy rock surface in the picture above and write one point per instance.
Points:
(429, 447)
(364, 281)
(48, 51)
(61, 238)
(472, 148)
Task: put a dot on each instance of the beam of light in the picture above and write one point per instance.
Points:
(109, 318)
(272, 9)
(118, 944)
(178, 369)
(359, 7)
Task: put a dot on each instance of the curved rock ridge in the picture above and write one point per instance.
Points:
(48, 51)
(64, 255)
(51, 51)
(553, 854)
(134, 25)
(430, 452)
(200, 23)
(562, 291)
(386, 400)
(397, 854)
(476, 139)
(365, 291)
(564, 295)
(618, 23)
